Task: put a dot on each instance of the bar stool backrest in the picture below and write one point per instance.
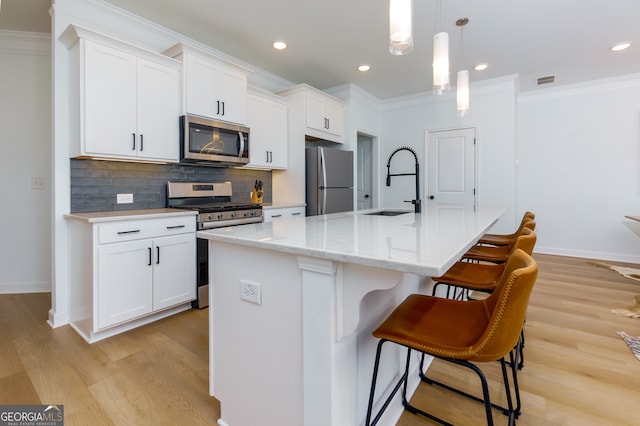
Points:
(526, 241)
(507, 307)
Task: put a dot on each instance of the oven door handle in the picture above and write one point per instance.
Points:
(221, 224)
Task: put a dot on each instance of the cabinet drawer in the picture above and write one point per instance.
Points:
(271, 215)
(128, 230)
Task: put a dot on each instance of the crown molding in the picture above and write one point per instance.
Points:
(605, 85)
(25, 43)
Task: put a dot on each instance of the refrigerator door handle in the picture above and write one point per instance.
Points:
(323, 185)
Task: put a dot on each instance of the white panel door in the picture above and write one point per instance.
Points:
(451, 159)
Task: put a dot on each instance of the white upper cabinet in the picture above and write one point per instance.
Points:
(323, 113)
(125, 101)
(267, 121)
(213, 88)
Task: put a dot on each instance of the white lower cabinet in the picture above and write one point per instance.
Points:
(281, 213)
(130, 272)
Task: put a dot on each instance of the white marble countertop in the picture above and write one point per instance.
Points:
(427, 243)
(111, 216)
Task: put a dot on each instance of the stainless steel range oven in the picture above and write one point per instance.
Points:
(215, 210)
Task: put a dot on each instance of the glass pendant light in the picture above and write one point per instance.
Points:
(400, 27)
(462, 92)
(440, 56)
(440, 62)
(462, 82)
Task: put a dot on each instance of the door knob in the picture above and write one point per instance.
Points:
(366, 195)
(431, 197)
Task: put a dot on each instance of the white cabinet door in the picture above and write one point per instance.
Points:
(316, 118)
(324, 117)
(335, 118)
(125, 280)
(215, 91)
(174, 274)
(110, 101)
(267, 120)
(233, 95)
(158, 109)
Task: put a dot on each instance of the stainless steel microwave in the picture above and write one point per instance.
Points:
(207, 141)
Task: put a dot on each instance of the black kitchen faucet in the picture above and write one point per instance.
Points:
(416, 202)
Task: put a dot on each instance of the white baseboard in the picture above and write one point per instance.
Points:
(589, 254)
(20, 288)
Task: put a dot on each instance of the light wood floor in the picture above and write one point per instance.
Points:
(577, 370)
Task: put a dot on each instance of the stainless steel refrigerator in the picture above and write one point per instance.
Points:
(329, 174)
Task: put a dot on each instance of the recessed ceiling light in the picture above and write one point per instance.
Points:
(481, 67)
(279, 44)
(364, 68)
(621, 46)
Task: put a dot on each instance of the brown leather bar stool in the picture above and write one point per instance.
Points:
(463, 333)
(506, 239)
(483, 277)
(495, 254)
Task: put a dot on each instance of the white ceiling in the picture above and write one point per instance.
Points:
(328, 39)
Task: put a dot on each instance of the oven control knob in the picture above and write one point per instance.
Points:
(245, 214)
(234, 214)
(210, 216)
(220, 216)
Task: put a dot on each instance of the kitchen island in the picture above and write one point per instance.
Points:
(293, 304)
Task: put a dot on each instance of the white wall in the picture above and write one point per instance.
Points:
(406, 122)
(25, 140)
(579, 167)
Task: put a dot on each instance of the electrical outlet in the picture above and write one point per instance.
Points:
(251, 292)
(124, 198)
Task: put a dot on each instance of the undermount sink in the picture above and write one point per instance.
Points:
(387, 213)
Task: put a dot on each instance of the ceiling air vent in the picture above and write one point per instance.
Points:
(546, 80)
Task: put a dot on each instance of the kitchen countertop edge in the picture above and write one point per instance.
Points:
(268, 206)
(112, 216)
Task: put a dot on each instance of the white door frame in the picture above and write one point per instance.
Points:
(375, 169)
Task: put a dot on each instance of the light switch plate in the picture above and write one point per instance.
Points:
(37, 182)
